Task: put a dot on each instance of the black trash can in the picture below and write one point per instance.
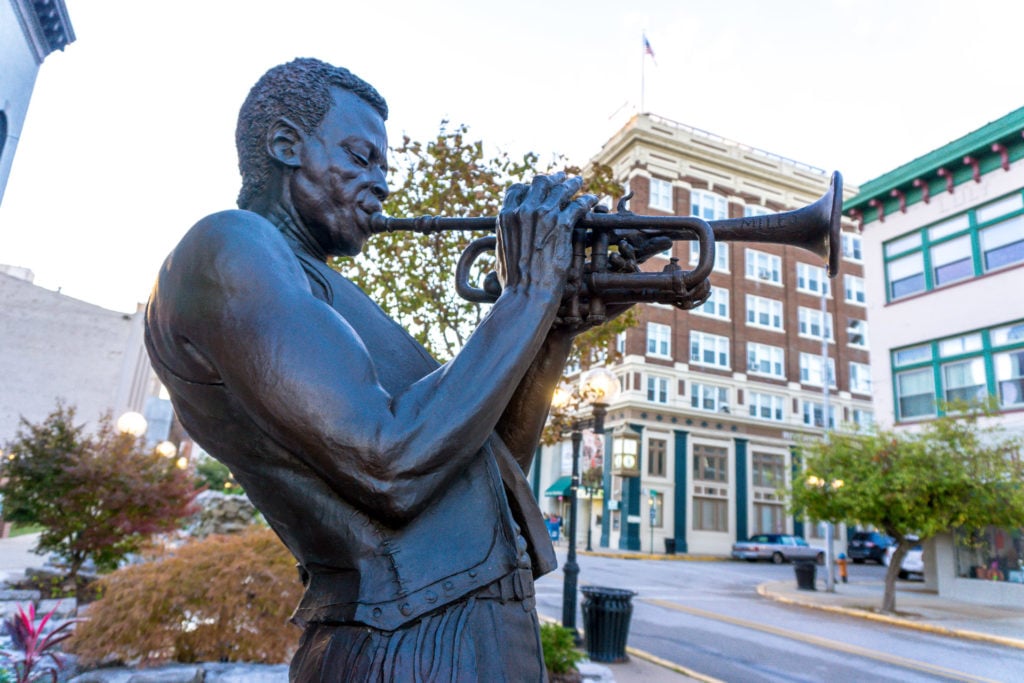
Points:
(606, 615)
(670, 546)
(805, 570)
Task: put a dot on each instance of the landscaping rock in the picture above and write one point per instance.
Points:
(63, 608)
(190, 673)
(18, 595)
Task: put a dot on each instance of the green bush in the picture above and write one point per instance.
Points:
(560, 653)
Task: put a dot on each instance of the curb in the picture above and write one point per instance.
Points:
(683, 557)
(671, 666)
(653, 659)
(763, 591)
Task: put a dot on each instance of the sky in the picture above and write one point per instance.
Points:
(129, 138)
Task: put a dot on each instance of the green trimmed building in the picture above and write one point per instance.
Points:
(943, 246)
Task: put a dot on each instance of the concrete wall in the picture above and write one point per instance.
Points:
(53, 346)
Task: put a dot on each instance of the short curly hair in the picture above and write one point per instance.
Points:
(299, 90)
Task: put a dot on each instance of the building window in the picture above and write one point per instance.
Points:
(765, 406)
(620, 343)
(709, 349)
(810, 319)
(915, 393)
(764, 267)
(709, 397)
(811, 370)
(864, 419)
(768, 470)
(970, 244)
(1003, 244)
(721, 255)
(811, 279)
(964, 380)
(852, 247)
(710, 495)
(769, 518)
(762, 312)
(853, 289)
(710, 514)
(765, 360)
(814, 414)
(860, 378)
(656, 451)
(906, 276)
(1010, 378)
(659, 340)
(857, 333)
(661, 195)
(710, 463)
(717, 305)
(657, 389)
(708, 206)
(750, 211)
(951, 261)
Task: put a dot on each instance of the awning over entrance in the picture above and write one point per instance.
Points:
(559, 488)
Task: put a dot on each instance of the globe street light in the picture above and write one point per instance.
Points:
(132, 423)
(598, 388)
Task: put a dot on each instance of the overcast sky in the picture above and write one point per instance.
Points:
(130, 133)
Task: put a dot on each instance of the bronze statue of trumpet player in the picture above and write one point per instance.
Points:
(396, 482)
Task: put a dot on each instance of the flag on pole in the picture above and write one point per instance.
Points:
(648, 50)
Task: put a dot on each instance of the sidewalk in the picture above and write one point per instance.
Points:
(16, 556)
(917, 608)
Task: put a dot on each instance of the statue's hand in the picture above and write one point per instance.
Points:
(535, 232)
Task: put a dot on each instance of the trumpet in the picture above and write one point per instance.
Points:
(614, 275)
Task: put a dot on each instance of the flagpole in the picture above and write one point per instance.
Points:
(643, 66)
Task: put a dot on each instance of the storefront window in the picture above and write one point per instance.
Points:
(991, 554)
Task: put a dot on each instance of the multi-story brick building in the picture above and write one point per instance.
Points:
(720, 394)
(943, 243)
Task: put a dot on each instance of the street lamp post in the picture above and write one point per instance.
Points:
(598, 387)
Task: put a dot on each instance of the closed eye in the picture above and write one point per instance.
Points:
(356, 156)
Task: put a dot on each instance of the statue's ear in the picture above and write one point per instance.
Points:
(284, 142)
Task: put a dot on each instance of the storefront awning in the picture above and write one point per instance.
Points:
(559, 488)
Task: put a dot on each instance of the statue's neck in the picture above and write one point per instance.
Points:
(295, 230)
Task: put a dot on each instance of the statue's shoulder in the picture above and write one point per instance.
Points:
(233, 241)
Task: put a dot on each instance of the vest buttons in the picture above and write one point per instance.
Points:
(431, 597)
(473, 573)
(376, 612)
(405, 609)
(448, 586)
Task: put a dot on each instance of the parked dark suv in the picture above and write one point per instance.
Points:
(868, 545)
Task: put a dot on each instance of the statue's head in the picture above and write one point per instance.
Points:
(302, 92)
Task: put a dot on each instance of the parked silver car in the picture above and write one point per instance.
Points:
(778, 548)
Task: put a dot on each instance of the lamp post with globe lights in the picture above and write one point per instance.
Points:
(597, 388)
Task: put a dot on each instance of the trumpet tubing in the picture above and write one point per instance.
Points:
(814, 228)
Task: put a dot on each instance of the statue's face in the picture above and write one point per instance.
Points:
(340, 181)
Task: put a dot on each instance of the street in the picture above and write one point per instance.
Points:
(707, 617)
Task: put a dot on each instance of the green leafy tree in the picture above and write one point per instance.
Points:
(98, 496)
(411, 276)
(955, 472)
(215, 475)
